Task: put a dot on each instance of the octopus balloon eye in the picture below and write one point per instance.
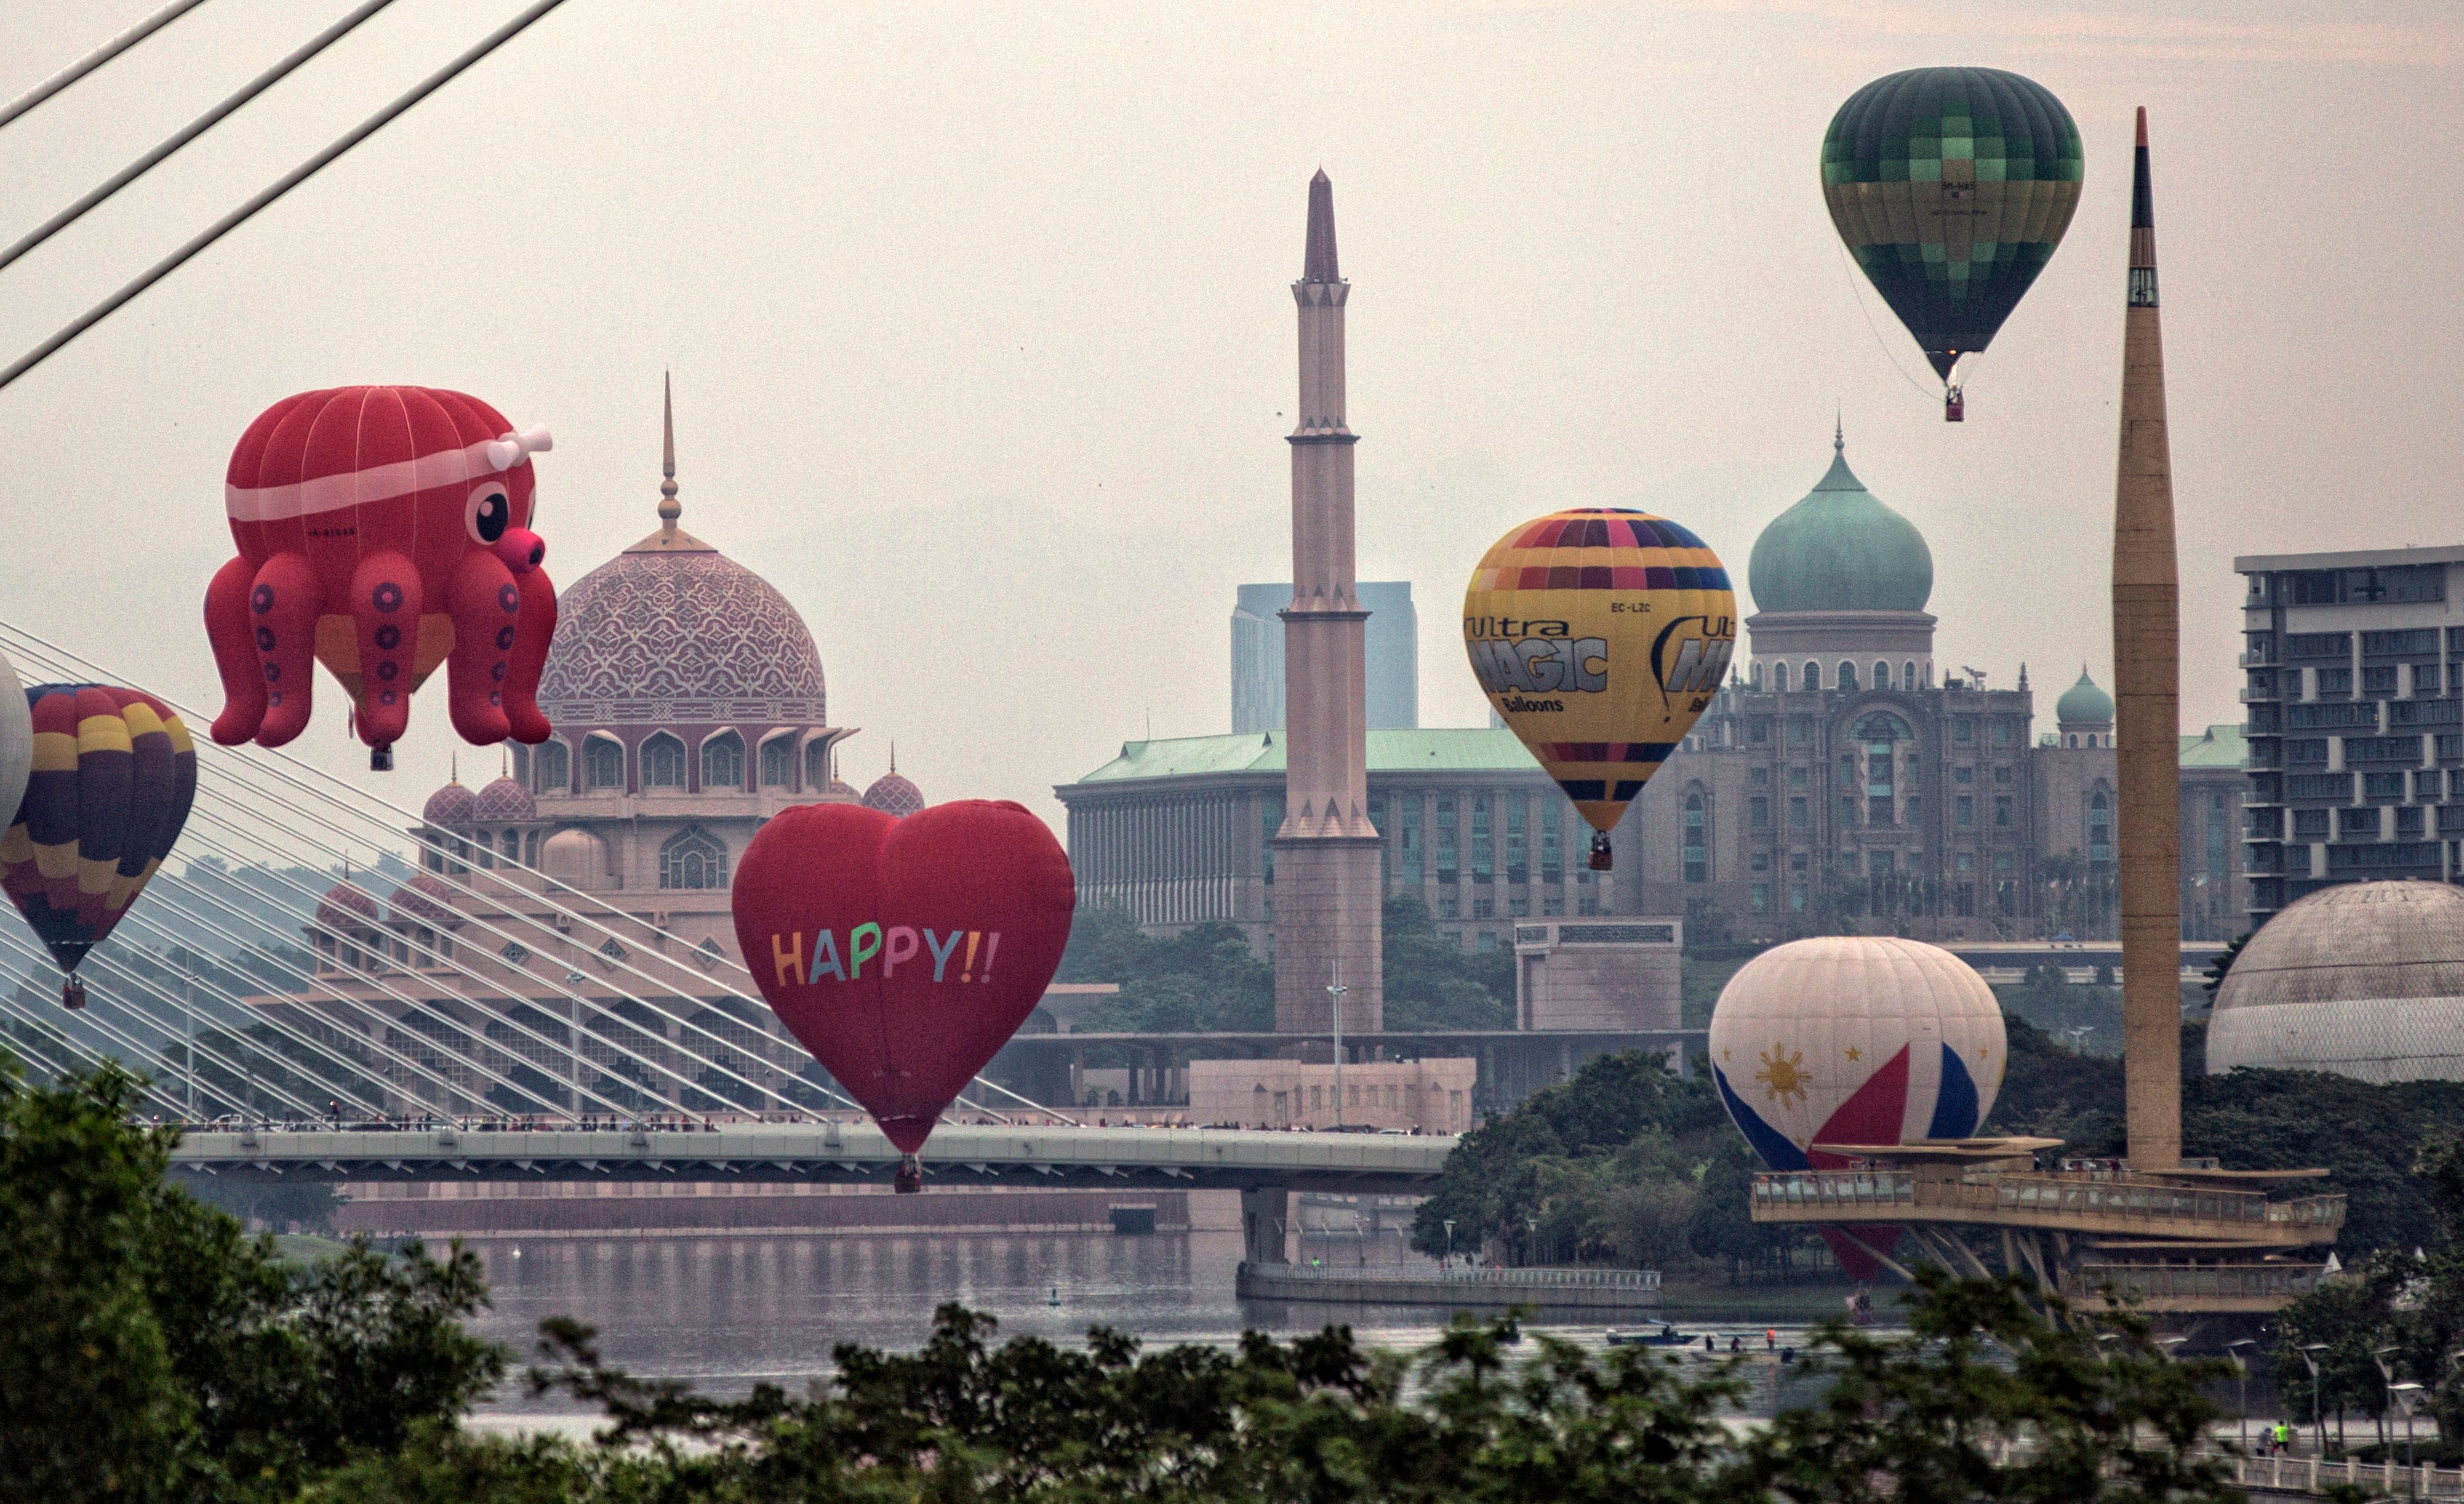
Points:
(490, 512)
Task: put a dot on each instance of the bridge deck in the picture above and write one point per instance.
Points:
(958, 1156)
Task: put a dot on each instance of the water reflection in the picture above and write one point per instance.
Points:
(725, 1313)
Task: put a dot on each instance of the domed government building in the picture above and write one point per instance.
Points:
(1843, 779)
(690, 707)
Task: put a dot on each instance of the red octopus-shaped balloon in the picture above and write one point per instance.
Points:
(382, 531)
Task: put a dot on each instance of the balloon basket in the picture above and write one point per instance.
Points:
(1601, 854)
(381, 758)
(73, 995)
(910, 1180)
(1955, 405)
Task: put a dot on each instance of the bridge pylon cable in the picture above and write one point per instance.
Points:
(188, 133)
(68, 1052)
(96, 59)
(215, 766)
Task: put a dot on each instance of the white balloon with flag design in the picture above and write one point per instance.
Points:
(1854, 1040)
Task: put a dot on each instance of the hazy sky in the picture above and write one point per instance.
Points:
(983, 337)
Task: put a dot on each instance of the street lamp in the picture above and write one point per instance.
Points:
(1334, 992)
(1532, 1247)
(2241, 1376)
(2405, 1396)
(2310, 1352)
(1450, 1241)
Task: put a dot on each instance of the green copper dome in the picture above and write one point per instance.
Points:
(1840, 550)
(2083, 704)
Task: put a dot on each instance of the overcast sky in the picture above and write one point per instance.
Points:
(983, 337)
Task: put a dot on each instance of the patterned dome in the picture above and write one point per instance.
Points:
(504, 800)
(894, 795)
(2364, 979)
(425, 899)
(670, 630)
(348, 906)
(451, 805)
(841, 788)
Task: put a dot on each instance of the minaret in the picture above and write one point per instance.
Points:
(2146, 671)
(1326, 887)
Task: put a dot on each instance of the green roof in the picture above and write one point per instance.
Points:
(2083, 704)
(2220, 746)
(1475, 749)
(1840, 550)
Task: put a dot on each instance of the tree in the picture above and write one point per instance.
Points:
(1432, 983)
(150, 1351)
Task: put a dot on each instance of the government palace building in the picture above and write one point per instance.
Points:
(1840, 781)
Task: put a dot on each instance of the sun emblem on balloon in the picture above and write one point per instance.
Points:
(1784, 1072)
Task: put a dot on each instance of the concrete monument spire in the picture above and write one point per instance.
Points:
(2146, 672)
(1327, 891)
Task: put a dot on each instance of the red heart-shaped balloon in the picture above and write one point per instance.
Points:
(904, 953)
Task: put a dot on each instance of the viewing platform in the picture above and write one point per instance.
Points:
(1628, 1290)
(2080, 1202)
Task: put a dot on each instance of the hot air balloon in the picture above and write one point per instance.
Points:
(114, 774)
(1952, 187)
(1599, 634)
(382, 531)
(1857, 1040)
(903, 952)
(17, 737)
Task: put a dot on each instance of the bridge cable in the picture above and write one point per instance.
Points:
(284, 184)
(189, 132)
(96, 59)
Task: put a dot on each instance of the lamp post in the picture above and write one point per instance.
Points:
(1450, 1241)
(2241, 1377)
(1334, 992)
(1532, 1247)
(2405, 1396)
(2310, 1352)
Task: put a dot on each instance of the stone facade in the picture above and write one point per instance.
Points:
(1430, 1095)
(1598, 976)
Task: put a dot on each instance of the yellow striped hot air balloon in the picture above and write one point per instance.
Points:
(1599, 633)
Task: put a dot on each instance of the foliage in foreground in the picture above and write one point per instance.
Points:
(150, 1351)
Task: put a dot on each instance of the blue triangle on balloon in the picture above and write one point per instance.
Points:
(1954, 1105)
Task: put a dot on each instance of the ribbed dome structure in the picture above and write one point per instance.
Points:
(425, 899)
(892, 794)
(2083, 704)
(1840, 550)
(2365, 979)
(451, 805)
(347, 906)
(504, 800)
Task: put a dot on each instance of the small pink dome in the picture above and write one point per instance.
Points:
(894, 795)
(504, 800)
(451, 805)
(425, 899)
(841, 788)
(347, 906)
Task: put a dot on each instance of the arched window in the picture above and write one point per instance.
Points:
(1698, 850)
(1759, 676)
(2100, 827)
(530, 849)
(692, 858)
(510, 846)
(1812, 675)
(1847, 680)
(1779, 677)
(1908, 675)
(553, 767)
(1881, 675)
(778, 761)
(1880, 734)
(2072, 739)
(521, 764)
(487, 851)
(663, 762)
(817, 764)
(603, 764)
(723, 761)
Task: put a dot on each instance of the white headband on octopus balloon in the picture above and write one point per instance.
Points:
(512, 448)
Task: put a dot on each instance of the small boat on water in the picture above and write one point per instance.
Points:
(1667, 1337)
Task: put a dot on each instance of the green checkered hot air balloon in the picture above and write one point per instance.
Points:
(1952, 187)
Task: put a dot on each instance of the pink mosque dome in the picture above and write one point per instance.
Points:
(505, 799)
(348, 906)
(425, 899)
(891, 794)
(451, 805)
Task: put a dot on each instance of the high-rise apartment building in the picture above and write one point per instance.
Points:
(1393, 637)
(2355, 683)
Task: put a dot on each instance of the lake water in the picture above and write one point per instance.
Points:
(725, 1313)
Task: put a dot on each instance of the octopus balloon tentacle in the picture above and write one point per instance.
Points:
(383, 532)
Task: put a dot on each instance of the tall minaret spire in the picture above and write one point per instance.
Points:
(670, 539)
(1327, 895)
(2146, 671)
